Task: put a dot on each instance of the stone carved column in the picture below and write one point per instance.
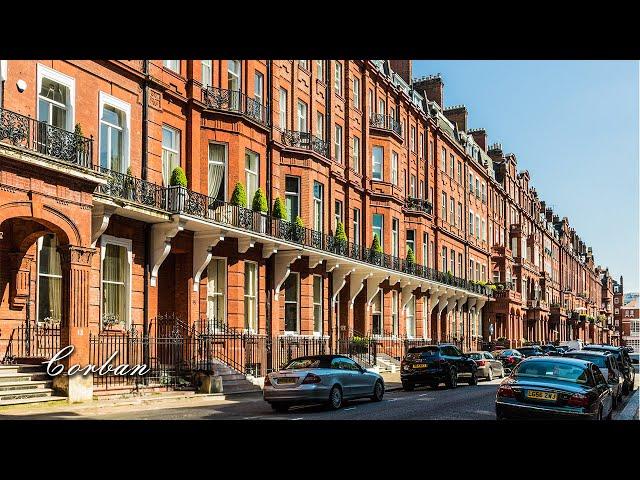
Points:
(74, 326)
(20, 268)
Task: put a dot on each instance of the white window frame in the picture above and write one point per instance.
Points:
(337, 214)
(338, 143)
(356, 226)
(356, 92)
(67, 81)
(395, 315)
(380, 294)
(248, 171)
(318, 207)
(394, 167)
(226, 167)
(425, 318)
(283, 105)
(171, 66)
(395, 237)
(407, 309)
(297, 302)
(178, 135)
(223, 294)
(288, 193)
(355, 166)
(320, 125)
(39, 243)
(302, 115)
(120, 242)
(206, 80)
(256, 296)
(320, 304)
(337, 77)
(380, 175)
(258, 87)
(106, 99)
(373, 228)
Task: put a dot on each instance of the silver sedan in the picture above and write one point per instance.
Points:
(328, 379)
(488, 366)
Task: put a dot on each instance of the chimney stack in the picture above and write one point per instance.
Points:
(457, 115)
(431, 87)
(402, 68)
(480, 137)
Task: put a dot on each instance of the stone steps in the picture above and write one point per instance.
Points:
(25, 384)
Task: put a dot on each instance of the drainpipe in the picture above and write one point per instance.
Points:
(270, 264)
(147, 227)
(145, 111)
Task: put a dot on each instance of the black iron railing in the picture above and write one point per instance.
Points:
(181, 200)
(133, 189)
(305, 140)
(26, 132)
(236, 102)
(32, 340)
(385, 122)
(284, 348)
(419, 204)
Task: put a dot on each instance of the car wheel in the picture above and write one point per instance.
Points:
(280, 407)
(490, 376)
(452, 381)
(473, 380)
(378, 391)
(335, 397)
(408, 387)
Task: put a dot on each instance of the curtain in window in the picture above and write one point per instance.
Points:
(216, 170)
(50, 291)
(114, 271)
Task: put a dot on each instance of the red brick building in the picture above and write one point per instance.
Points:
(630, 313)
(98, 238)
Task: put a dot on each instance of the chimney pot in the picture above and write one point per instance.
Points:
(431, 87)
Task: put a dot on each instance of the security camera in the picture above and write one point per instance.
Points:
(22, 85)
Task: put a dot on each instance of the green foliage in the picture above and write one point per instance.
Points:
(239, 196)
(493, 287)
(299, 222)
(279, 209)
(340, 235)
(178, 178)
(375, 246)
(411, 258)
(78, 130)
(259, 202)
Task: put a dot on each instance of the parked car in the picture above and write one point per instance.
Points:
(509, 358)
(563, 348)
(622, 357)
(531, 351)
(573, 344)
(634, 360)
(328, 379)
(553, 387)
(609, 367)
(552, 350)
(488, 365)
(434, 364)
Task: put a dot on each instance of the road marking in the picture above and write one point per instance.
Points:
(485, 412)
(424, 399)
(423, 394)
(299, 418)
(350, 408)
(252, 418)
(393, 399)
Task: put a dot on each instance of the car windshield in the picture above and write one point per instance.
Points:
(552, 371)
(599, 360)
(476, 356)
(616, 353)
(307, 362)
(423, 351)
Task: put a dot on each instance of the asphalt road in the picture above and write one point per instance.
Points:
(462, 403)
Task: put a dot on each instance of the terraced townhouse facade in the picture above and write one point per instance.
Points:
(98, 239)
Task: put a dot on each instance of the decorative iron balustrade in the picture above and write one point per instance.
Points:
(419, 204)
(40, 137)
(385, 122)
(297, 139)
(237, 102)
(184, 201)
(130, 188)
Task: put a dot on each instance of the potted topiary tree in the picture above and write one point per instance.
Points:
(298, 230)
(129, 185)
(239, 196)
(260, 206)
(340, 238)
(280, 212)
(178, 190)
(81, 155)
(411, 259)
(236, 210)
(376, 250)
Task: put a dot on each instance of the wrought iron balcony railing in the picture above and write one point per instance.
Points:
(133, 189)
(40, 137)
(184, 201)
(236, 102)
(297, 139)
(385, 122)
(419, 204)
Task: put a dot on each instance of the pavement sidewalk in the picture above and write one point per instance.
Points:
(391, 381)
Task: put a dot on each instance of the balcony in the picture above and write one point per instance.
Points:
(381, 121)
(306, 141)
(42, 138)
(418, 204)
(186, 202)
(132, 189)
(538, 304)
(236, 102)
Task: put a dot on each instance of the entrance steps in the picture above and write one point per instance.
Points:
(25, 384)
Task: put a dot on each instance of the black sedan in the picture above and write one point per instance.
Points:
(623, 359)
(509, 358)
(552, 350)
(531, 351)
(552, 387)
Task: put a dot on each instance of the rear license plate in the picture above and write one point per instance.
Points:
(286, 380)
(419, 365)
(537, 395)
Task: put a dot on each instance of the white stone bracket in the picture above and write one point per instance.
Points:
(373, 285)
(356, 283)
(100, 215)
(203, 244)
(406, 294)
(282, 268)
(161, 236)
(339, 281)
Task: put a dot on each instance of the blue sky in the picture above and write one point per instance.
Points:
(574, 126)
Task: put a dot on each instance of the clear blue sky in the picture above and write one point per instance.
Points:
(574, 126)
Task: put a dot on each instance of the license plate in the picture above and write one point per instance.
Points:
(419, 365)
(549, 396)
(286, 380)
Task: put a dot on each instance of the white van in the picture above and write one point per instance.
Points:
(573, 344)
